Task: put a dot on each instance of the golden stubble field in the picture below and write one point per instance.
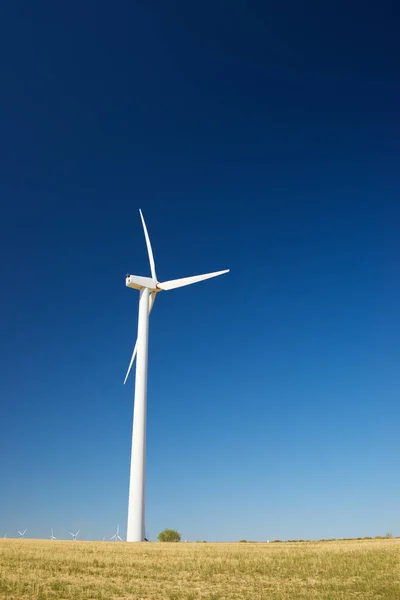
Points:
(342, 570)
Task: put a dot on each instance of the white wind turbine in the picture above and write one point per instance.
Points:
(52, 536)
(21, 533)
(116, 536)
(74, 535)
(149, 287)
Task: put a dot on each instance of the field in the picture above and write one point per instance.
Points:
(342, 570)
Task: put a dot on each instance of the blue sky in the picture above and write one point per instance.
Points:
(258, 138)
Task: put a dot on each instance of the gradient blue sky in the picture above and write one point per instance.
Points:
(260, 137)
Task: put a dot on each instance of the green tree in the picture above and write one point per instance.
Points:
(169, 535)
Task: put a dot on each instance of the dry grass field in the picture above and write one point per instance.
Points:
(343, 570)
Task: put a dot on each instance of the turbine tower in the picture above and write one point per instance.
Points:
(149, 287)
(52, 536)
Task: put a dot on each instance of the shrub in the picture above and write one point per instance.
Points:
(169, 535)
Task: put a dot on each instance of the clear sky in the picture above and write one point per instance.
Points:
(261, 137)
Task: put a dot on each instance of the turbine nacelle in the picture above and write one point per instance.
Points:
(138, 283)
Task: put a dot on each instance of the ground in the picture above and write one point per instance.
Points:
(339, 570)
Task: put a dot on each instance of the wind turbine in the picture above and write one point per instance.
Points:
(116, 536)
(74, 535)
(149, 287)
(5, 535)
(52, 536)
(21, 533)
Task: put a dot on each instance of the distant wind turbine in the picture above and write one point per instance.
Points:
(21, 533)
(52, 536)
(149, 287)
(116, 536)
(74, 535)
(6, 534)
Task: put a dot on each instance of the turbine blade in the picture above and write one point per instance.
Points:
(149, 250)
(151, 304)
(176, 283)
(131, 363)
